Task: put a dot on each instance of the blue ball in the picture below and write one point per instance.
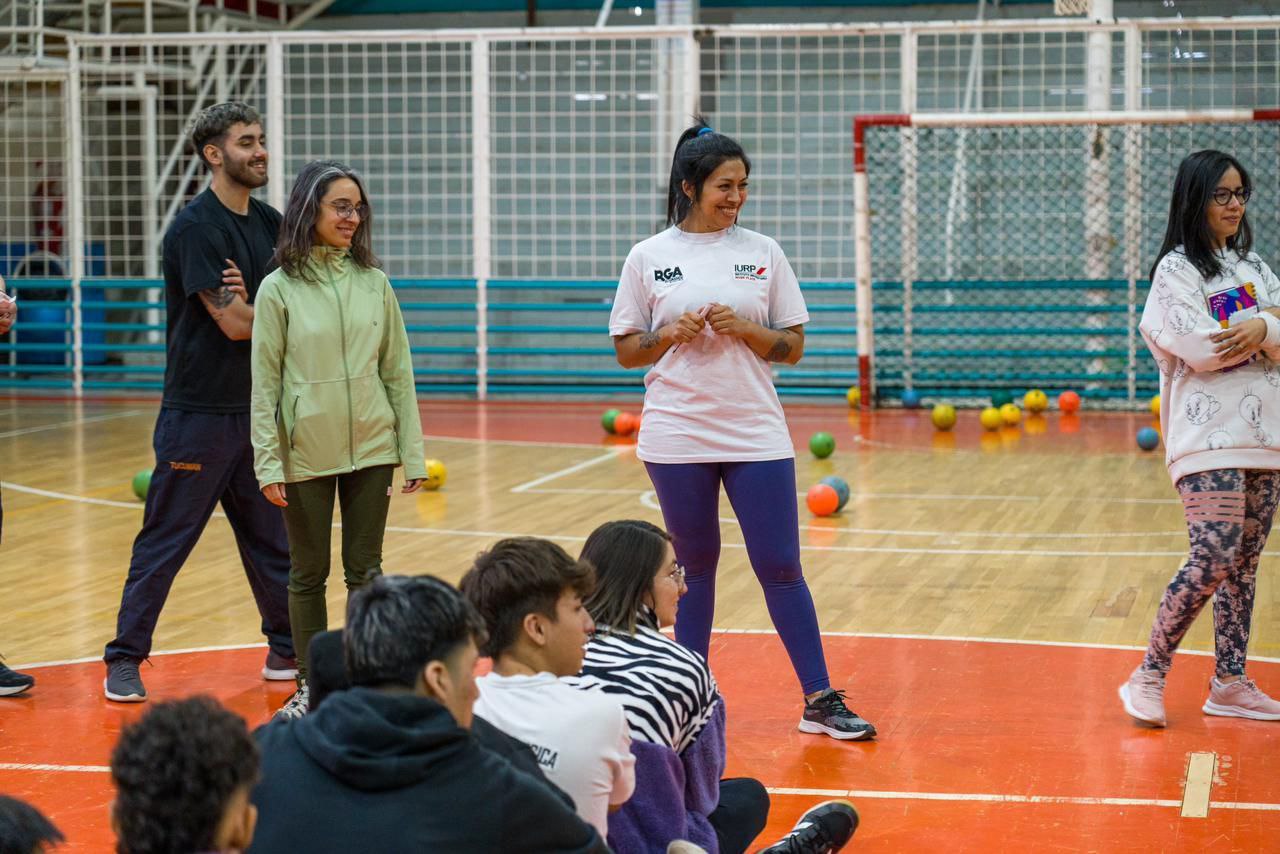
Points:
(911, 399)
(1148, 439)
(840, 486)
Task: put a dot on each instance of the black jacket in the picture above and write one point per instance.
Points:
(372, 771)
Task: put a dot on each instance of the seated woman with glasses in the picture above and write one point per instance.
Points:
(674, 710)
(334, 409)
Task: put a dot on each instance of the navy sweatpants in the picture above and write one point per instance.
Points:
(763, 495)
(201, 460)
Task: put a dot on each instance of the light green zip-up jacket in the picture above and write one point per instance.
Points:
(332, 375)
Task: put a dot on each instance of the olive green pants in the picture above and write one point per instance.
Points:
(364, 497)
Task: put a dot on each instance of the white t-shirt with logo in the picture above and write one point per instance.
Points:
(580, 738)
(712, 399)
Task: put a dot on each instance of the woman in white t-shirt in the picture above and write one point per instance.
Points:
(1211, 324)
(709, 305)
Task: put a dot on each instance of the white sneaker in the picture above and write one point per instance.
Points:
(1240, 699)
(297, 705)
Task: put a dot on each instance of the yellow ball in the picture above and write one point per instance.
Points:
(1155, 406)
(1035, 400)
(436, 475)
(944, 416)
(854, 396)
(1010, 414)
(990, 418)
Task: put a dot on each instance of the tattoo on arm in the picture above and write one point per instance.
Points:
(780, 350)
(649, 340)
(220, 297)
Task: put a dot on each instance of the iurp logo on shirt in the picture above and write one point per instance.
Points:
(748, 271)
(670, 274)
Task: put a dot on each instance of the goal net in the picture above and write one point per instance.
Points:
(1004, 252)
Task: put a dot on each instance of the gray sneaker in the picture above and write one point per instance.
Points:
(123, 683)
(296, 706)
(829, 715)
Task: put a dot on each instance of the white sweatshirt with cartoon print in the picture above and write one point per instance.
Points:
(1214, 413)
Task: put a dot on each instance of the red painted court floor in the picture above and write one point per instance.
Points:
(983, 746)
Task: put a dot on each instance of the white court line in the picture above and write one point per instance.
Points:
(44, 493)
(871, 635)
(648, 501)
(861, 794)
(870, 794)
(90, 420)
(585, 464)
(1010, 641)
(24, 766)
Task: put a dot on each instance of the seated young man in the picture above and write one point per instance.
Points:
(389, 764)
(183, 774)
(530, 593)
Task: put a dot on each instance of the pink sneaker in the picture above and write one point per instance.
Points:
(1240, 699)
(1143, 697)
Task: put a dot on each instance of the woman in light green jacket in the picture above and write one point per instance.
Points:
(334, 407)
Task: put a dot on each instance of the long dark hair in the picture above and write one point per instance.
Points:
(627, 555)
(1198, 177)
(699, 152)
(297, 229)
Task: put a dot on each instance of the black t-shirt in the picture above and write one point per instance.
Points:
(205, 370)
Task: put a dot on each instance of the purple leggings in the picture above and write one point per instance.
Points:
(1228, 518)
(763, 495)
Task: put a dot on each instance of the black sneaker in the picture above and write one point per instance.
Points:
(828, 714)
(12, 682)
(124, 683)
(826, 828)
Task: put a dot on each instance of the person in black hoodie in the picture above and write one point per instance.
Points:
(390, 764)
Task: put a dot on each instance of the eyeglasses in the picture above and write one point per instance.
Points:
(677, 575)
(1222, 196)
(344, 210)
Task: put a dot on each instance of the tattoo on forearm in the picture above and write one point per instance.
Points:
(649, 340)
(219, 297)
(780, 350)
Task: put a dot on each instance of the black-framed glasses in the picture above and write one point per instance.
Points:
(1222, 196)
(344, 210)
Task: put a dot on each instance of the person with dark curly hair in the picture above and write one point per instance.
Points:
(24, 830)
(183, 775)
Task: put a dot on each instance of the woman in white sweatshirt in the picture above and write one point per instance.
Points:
(1211, 323)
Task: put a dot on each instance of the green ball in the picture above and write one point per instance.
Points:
(822, 445)
(1000, 398)
(141, 484)
(606, 420)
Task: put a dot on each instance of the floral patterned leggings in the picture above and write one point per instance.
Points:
(1228, 518)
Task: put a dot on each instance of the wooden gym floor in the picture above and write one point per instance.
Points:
(982, 594)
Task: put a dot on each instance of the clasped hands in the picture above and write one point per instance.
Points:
(721, 318)
(1240, 342)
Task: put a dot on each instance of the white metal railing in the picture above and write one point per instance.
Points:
(590, 113)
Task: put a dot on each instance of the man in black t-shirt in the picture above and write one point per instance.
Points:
(216, 253)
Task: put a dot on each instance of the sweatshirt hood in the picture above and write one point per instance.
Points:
(374, 741)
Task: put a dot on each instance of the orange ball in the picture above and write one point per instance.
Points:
(1068, 401)
(822, 499)
(626, 423)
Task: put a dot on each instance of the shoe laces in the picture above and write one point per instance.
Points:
(1150, 686)
(834, 701)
